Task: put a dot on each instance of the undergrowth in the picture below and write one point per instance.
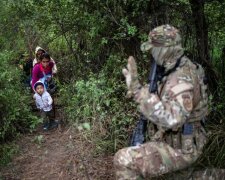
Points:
(100, 101)
(15, 111)
(6, 153)
(214, 152)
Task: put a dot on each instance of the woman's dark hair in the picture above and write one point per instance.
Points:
(46, 56)
(42, 50)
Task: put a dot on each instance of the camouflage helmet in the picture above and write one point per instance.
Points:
(162, 36)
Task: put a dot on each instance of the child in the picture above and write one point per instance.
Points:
(44, 103)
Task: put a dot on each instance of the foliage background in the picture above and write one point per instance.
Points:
(90, 41)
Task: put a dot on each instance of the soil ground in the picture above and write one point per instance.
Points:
(57, 155)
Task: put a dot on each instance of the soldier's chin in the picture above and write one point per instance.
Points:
(169, 65)
(159, 63)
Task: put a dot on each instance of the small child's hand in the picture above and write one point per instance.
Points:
(49, 79)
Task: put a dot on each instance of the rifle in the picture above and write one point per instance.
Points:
(138, 136)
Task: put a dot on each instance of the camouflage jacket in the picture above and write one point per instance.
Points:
(181, 98)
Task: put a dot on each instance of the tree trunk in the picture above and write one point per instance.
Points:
(197, 7)
(201, 27)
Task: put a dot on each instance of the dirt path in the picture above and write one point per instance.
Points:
(57, 155)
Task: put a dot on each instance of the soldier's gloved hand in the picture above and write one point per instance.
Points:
(131, 76)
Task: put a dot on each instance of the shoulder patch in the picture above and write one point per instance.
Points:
(187, 102)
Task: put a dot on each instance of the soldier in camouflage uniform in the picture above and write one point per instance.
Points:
(176, 110)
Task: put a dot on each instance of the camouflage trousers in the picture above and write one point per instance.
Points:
(150, 160)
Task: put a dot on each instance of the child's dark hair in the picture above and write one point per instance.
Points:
(46, 56)
(37, 84)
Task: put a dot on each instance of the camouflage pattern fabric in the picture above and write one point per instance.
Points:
(181, 100)
(149, 160)
(178, 98)
(162, 36)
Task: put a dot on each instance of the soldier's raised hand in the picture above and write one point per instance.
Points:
(131, 76)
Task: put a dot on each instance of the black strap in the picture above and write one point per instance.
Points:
(175, 67)
(163, 74)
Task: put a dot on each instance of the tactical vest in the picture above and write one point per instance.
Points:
(194, 138)
(197, 78)
(200, 100)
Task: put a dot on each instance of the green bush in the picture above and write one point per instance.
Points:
(6, 153)
(15, 113)
(215, 126)
(100, 101)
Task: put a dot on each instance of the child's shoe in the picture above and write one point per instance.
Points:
(53, 124)
(46, 126)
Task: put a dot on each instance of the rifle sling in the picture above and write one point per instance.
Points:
(174, 68)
